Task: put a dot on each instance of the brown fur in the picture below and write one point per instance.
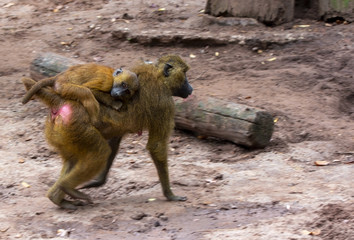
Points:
(88, 150)
(85, 82)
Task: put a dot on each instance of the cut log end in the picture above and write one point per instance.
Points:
(262, 129)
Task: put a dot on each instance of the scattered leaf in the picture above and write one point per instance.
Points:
(275, 119)
(209, 180)
(4, 229)
(26, 185)
(21, 160)
(216, 54)
(202, 11)
(9, 5)
(57, 9)
(161, 9)
(63, 232)
(301, 26)
(271, 59)
(131, 152)
(248, 97)
(151, 199)
(315, 232)
(259, 51)
(328, 25)
(321, 163)
(98, 59)
(192, 56)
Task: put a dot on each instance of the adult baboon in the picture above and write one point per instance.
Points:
(88, 149)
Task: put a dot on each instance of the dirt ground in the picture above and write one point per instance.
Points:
(301, 72)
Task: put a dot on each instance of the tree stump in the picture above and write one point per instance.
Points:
(269, 12)
(238, 123)
(276, 12)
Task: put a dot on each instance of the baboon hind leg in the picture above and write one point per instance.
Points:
(102, 178)
(90, 161)
(83, 95)
(55, 193)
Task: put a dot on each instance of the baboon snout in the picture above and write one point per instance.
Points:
(184, 91)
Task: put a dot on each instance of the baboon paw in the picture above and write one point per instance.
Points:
(82, 203)
(94, 183)
(69, 205)
(176, 198)
(73, 205)
(75, 194)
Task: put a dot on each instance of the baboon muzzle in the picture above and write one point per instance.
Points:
(184, 91)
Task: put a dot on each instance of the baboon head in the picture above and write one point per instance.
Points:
(174, 70)
(125, 84)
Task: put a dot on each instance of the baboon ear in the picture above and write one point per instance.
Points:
(117, 71)
(166, 68)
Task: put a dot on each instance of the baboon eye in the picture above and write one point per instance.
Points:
(124, 85)
(117, 71)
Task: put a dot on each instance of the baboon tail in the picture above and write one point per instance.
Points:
(31, 91)
(47, 95)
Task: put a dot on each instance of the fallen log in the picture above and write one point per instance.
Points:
(241, 124)
(238, 123)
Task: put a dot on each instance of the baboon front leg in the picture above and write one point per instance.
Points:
(56, 193)
(102, 178)
(158, 151)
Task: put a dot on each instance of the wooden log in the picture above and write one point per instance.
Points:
(238, 123)
(50, 64)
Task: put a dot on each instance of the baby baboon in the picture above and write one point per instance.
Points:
(85, 82)
(88, 149)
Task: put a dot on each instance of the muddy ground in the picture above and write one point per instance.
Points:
(301, 72)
